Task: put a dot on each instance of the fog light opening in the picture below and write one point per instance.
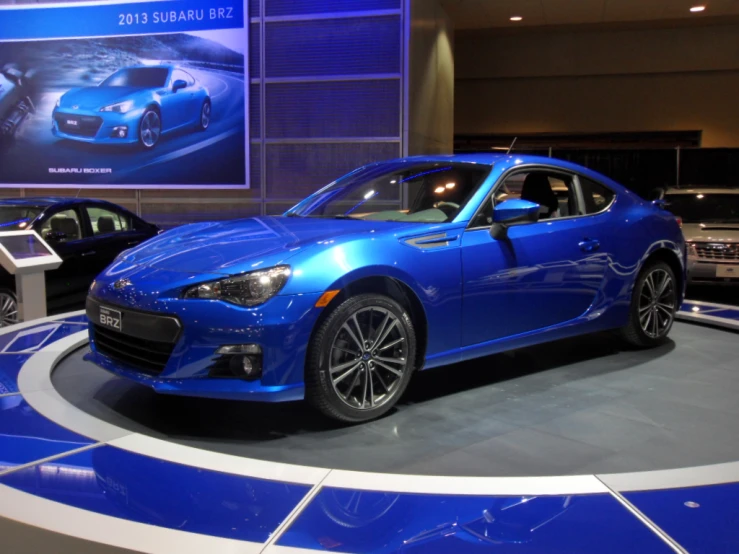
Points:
(119, 132)
(246, 366)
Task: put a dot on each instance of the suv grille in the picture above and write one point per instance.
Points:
(717, 251)
(147, 356)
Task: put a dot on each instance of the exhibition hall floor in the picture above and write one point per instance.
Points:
(576, 446)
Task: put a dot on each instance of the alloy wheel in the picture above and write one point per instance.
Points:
(205, 115)
(151, 128)
(657, 303)
(368, 358)
(8, 309)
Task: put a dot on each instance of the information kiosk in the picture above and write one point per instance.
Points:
(27, 256)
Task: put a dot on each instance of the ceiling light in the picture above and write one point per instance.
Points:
(696, 9)
(451, 185)
(439, 190)
(516, 18)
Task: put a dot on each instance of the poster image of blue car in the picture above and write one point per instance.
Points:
(134, 110)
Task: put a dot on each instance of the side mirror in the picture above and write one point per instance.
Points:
(55, 236)
(179, 84)
(512, 212)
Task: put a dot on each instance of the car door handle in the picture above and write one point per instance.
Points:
(589, 245)
(90, 253)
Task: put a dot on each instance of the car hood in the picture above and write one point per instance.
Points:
(92, 98)
(711, 232)
(237, 246)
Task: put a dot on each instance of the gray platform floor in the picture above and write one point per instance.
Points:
(577, 406)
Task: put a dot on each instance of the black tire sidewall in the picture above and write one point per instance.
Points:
(319, 388)
(643, 338)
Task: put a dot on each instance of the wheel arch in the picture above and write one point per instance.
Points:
(393, 288)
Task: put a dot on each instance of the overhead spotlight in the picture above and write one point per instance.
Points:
(696, 9)
(516, 18)
(439, 190)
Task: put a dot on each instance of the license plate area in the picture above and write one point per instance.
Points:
(110, 318)
(727, 271)
(73, 122)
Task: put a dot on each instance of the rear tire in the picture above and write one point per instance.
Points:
(361, 359)
(653, 306)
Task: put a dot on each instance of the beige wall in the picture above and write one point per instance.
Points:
(603, 80)
(431, 82)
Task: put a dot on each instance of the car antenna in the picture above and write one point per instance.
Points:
(78, 193)
(511, 146)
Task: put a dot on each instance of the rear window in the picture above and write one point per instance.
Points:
(704, 207)
(16, 218)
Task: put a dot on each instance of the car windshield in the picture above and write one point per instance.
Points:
(138, 77)
(704, 207)
(436, 192)
(16, 218)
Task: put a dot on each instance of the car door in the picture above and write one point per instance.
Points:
(176, 103)
(66, 232)
(114, 231)
(542, 274)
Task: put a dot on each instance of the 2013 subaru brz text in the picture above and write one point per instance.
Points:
(396, 267)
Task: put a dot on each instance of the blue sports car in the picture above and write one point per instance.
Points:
(134, 105)
(396, 267)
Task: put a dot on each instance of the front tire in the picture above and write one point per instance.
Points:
(150, 128)
(361, 359)
(653, 306)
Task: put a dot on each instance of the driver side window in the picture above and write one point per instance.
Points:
(66, 222)
(554, 192)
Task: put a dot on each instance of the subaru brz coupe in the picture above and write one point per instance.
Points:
(397, 267)
(135, 105)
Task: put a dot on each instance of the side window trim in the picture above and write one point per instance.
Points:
(525, 169)
(574, 176)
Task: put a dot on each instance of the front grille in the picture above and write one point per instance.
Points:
(718, 251)
(87, 125)
(147, 356)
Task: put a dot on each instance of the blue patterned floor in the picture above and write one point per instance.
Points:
(215, 496)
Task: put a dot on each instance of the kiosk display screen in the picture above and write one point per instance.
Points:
(23, 247)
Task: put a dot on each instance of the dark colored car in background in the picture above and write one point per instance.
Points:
(86, 234)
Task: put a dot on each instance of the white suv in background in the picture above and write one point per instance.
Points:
(710, 223)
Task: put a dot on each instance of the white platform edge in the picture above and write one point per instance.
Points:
(36, 375)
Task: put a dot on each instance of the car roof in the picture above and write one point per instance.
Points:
(46, 201)
(510, 161)
(703, 190)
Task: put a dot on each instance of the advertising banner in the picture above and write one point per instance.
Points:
(132, 94)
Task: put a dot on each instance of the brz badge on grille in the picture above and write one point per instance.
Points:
(121, 284)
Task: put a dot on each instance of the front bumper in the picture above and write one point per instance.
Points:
(712, 272)
(95, 126)
(282, 327)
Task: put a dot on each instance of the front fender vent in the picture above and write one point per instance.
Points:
(429, 242)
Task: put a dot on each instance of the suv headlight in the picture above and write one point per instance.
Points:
(119, 107)
(249, 289)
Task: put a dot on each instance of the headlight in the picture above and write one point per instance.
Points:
(120, 107)
(249, 289)
(692, 250)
